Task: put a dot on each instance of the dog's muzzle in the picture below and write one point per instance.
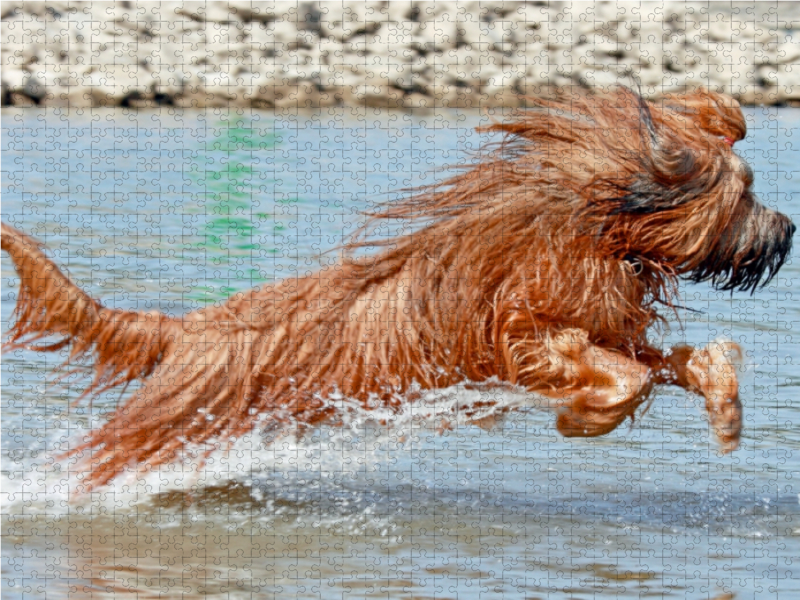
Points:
(750, 253)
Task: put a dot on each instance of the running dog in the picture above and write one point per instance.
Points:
(543, 264)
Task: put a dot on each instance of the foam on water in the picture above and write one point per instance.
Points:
(364, 438)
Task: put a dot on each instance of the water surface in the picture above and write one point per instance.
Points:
(176, 209)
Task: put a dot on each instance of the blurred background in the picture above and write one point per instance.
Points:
(389, 54)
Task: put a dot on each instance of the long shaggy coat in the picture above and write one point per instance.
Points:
(543, 264)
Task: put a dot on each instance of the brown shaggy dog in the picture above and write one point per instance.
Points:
(542, 265)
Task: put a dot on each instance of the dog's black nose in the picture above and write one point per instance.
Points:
(794, 228)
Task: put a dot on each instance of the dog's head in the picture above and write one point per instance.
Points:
(655, 181)
(679, 196)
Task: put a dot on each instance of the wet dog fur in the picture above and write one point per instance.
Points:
(542, 263)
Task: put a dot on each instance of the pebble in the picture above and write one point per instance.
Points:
(389, 54)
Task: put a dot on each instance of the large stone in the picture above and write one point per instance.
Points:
(781, 82)
(110, 85)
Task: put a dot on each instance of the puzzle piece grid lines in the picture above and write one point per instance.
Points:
(171, 154)
(413, 54)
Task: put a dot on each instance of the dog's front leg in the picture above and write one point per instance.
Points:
(608, 386)
(711, 373)
(611, 386)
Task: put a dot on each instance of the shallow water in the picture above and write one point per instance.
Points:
(175, 209)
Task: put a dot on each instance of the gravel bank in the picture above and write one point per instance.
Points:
(398, 54)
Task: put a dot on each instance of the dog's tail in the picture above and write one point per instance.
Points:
(125, 345)
(53, 313)
(201, 373)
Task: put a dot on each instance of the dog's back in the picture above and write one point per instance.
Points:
(541, 265)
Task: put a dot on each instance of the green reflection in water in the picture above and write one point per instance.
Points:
(227, 237)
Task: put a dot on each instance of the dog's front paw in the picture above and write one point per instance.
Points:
(712, 373)
(583, 418)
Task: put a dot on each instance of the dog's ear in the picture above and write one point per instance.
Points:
(671, 175)
(717, 114)
(672, 170)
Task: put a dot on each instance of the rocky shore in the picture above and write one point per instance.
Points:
(389, 54)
